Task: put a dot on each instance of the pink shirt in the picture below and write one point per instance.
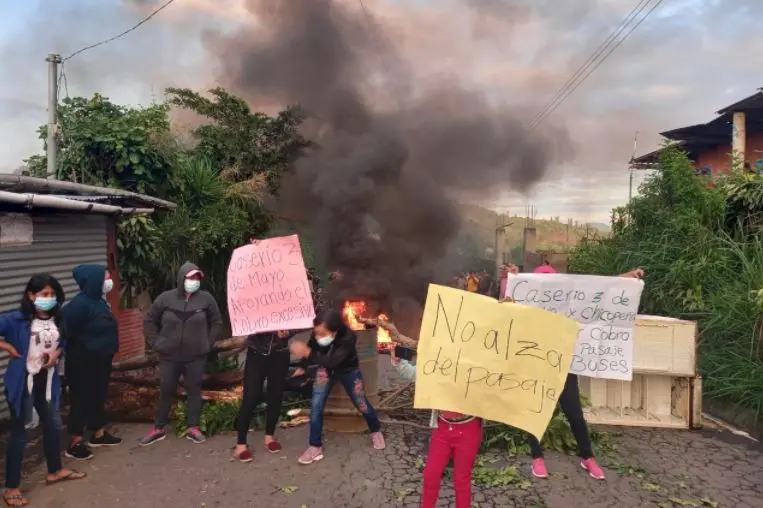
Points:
(544, 269)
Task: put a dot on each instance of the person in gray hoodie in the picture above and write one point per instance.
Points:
(181, 326)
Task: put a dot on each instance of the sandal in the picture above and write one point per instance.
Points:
(73, 475)
(15, 499)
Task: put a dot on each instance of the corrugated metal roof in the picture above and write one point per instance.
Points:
(60, 242)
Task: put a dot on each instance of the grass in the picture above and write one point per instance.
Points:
(700, 266)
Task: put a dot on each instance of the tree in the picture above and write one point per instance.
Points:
(102, 143)
(242, 143)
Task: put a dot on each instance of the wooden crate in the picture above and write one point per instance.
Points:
(665, 346)
(649, 400)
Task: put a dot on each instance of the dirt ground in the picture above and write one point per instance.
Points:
(656, 468)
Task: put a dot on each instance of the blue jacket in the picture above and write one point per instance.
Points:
(16, 329)
(91, 325)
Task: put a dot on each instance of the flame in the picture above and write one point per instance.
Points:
(383, 339)
(352, 311)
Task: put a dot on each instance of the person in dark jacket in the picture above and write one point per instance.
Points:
(181, 326)
(93, 341)
(36, 327)
(332, 347)
(267, 360)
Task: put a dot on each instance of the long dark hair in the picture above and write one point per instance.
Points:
(333, 321)
(36, 284)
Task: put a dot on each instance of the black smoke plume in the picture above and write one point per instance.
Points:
(393, 151)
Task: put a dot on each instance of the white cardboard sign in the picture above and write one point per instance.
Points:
(605, 307)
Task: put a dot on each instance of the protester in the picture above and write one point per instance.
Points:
(485, 284)
(182, 325)
(454, 434)
(93, 340)
(332, 347)
(459, 281)
(267, 360)
(545, 267)
(569, 400)
(34, 337)
(472, 282)
(504, 277)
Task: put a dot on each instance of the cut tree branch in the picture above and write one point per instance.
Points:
(151, 361)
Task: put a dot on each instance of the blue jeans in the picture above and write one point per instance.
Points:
(352, 382)
(17, 442)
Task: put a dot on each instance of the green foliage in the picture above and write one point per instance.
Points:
(138, 244)
(558, 437)
(216, 417)
(101, 143)
(219, 417)
(698, 241)
(242, 143)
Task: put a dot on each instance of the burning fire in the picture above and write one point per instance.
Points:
(354, 310)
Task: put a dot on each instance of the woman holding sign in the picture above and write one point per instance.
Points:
(452, 434)
(332, 348)
(569, 400)
(267, 358)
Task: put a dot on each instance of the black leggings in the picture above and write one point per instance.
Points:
(573, 410)
(88, 375)
(273, 367)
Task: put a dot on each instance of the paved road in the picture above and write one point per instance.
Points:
(651, 468)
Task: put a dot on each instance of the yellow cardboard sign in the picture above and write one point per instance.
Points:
(500, 361)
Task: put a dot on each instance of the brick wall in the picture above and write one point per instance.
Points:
(131, 341)
(719, 158)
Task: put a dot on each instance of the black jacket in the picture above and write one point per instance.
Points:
(267, 343)
(339, 357)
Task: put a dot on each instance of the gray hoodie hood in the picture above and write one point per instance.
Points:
(183, 272)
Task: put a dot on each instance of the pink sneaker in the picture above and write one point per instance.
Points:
(539, 468)
(593, 468)
(378, 441)
(312, 454)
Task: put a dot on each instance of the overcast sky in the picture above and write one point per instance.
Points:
(690, 58)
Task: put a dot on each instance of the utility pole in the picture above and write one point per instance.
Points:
(630, 168)
(52, 141)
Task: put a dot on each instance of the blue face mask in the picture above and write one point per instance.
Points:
(191, 286)
(45, 304)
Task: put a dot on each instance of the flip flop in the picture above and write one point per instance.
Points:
(73, 475)
(15, 500)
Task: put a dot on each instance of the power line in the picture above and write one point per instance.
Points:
(119, 36)
(594, 56)
(606, 55)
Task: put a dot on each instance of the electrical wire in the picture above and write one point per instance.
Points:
(594, 56)
(612, 49)
(119, 36)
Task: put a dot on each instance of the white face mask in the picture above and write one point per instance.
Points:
(108, 285)
(324, 341)
(191, 286)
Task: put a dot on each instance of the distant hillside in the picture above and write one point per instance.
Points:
(553, 235)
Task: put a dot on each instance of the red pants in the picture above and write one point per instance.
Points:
(462, 441)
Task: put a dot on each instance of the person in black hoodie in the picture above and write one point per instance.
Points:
(181, 326)
(332, 347)
(267, 359)
(93, 340)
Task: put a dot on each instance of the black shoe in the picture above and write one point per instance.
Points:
(79, 451)
(105, 440)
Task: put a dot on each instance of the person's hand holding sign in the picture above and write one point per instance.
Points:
(636, 273)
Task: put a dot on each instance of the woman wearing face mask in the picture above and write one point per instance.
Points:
(34, 340)
(182, 325)
(332, 348)
(93, 340)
